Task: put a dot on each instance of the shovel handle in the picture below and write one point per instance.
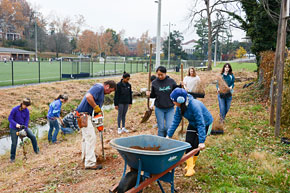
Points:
(149, 75)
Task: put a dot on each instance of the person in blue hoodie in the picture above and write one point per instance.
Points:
(225, 100)
(19, 118)
(199, 119)
(53, 116)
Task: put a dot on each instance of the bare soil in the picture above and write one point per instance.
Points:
(148, 148)
(59, 168)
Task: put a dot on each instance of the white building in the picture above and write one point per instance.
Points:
(188, 46)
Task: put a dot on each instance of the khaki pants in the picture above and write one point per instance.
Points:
(89, 141)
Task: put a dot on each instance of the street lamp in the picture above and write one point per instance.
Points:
(158, 35)
(170, 24)
(35, 33)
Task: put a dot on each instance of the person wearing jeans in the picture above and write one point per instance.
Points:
(70, 123)
(19, 116)
(161, 88)
(53, 115)
(226, 99)
(224, 105)
(161, 116)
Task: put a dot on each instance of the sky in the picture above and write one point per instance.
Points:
(133, 16)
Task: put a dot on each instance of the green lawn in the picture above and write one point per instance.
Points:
(25, 73)
(251, 67)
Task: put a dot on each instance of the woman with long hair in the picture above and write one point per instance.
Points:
(53, 116)
(161, 88)
(191, 81)
(225, 99)
(18, 120)
(199, 119)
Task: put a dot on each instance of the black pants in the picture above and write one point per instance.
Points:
(192, 138)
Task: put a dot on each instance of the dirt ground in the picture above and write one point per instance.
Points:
(59, 168)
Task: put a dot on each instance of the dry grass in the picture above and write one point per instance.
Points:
(266, 162)
(58, 168)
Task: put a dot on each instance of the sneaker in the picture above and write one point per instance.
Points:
(120, 130)
(125, 130)
(95, 167)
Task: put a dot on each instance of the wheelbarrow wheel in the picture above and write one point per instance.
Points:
(128, 182)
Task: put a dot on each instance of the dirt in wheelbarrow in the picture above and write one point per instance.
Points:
(148, 148)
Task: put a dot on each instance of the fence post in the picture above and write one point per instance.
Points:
(60, 65)
(131, 67)
(137, 67)
(115, 68)
(124, 66)
(39, 71)
(78, 67)
(105, 68)
(12, 73)
(92, 68)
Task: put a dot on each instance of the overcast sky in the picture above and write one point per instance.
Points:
(133, 16)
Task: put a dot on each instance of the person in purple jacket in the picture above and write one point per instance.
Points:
(19, 117)
(53, 115)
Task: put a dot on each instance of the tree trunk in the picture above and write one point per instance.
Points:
(209, 52)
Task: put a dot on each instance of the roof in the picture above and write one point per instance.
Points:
(191, 41)
(14, 51)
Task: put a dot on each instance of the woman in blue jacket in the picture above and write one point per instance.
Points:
(225, 100)
(53, 115)
(18, 118)
(199, 119)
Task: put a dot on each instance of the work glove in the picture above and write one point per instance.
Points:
(97, 109)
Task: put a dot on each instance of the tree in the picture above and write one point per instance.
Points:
(210, 9)
(59, 43)
(14, 17)
(87, 43)
(76, 26)
(175, 46)
(143, 45)
(260, 27)
(202, 42)
(240, 53)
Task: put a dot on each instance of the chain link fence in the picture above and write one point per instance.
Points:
(23, 72)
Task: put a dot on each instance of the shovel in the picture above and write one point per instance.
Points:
(180, 133)
(149, 111)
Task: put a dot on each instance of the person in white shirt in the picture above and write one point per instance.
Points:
(191, 81)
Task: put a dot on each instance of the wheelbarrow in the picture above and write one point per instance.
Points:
(156, 165)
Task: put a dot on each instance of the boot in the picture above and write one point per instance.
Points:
(190, 166)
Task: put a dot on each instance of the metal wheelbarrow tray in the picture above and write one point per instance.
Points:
(151, 162)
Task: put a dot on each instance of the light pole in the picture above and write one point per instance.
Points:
(158, 35)
(170, 24)
(35, 36)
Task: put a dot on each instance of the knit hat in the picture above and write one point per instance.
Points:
(178, 95)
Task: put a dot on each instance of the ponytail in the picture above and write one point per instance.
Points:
(126, 75)
(183, 108)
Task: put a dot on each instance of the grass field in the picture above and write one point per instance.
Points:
(251, 67)
(33, 72)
